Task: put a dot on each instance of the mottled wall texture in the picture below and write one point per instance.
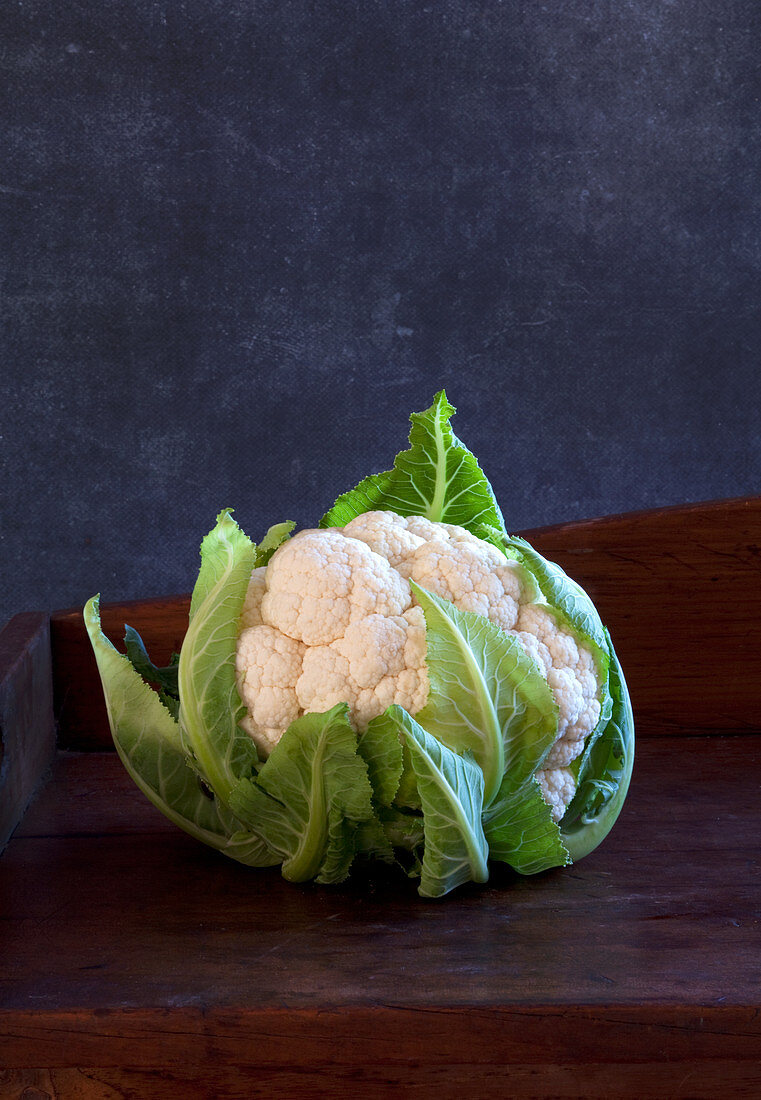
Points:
(243, 240)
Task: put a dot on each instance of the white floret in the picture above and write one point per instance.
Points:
(324, 680)
(571, 743)
(566, 691)
(385, 533)
(374, 648)
(558, 786)
(252, 607)
(379, 661)
(473, 576)
(264, 737)
(267, 666)
(321, 582)
(537, 619)
(571, 677)
(536, 649)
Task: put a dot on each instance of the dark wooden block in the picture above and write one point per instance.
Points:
(27, 734)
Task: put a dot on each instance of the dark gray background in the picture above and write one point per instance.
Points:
(243, 240)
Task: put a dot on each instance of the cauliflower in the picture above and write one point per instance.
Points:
(333, 618)
(333, 640)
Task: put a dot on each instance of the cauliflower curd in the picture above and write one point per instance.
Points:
(332, 618)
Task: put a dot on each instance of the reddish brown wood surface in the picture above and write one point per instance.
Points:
(27, 735)
(680, 590)
(126, 944)
(696, 1080)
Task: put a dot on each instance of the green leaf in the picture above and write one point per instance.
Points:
(565, 596)
(437, 477)
(310, 797)
(604, 773)
(403, 830)
(275, 537)
(518, 825)
(371, 841)
(520, 830)
(210, 707)
(148, 742)
(407, 795)
(165, 678)
(451, 789)
(381, 749)
(487, 695)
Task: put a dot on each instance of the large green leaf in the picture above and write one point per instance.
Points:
(210, 707)
(451, 789)
(604, 769)
(487, 696)
(520, 830)
(604, 773)
(407, 795)
(147, 739)
(437, 477)
(310, 797)
(567, 598)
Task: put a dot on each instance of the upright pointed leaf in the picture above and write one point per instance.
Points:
(451, 789)
(380, 747)
(148, 742)
(437, 477)
(210, 707)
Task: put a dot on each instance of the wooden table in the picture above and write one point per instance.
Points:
(136, 963)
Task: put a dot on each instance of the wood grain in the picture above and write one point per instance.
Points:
(698, 1080)
(605, 1053)
(679, 588)
(126, 943)
(27, 735)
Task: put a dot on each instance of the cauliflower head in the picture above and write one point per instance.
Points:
(332, 618)
(419, 687)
